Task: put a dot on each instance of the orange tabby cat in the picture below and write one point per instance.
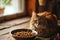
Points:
(34, 17)
(44, 23)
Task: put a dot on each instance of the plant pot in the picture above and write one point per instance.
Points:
(1, 10)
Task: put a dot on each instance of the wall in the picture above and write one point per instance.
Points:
(58, 10)
(30, 6)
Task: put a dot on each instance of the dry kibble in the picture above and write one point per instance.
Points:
(24, 34)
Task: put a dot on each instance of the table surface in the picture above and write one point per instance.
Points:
(5, 34)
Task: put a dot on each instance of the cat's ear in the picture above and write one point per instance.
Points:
(34, 15)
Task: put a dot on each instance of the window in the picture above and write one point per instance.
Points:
(8, 7)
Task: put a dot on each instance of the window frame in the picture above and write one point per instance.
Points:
(4, 18)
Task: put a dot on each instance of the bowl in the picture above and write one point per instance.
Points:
(24, 34)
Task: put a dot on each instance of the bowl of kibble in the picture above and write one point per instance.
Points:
(24, 34)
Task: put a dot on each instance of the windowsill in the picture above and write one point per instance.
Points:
(13, 24)
(4, 18)
(8, 14)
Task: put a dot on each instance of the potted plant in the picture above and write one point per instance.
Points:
(3, 4)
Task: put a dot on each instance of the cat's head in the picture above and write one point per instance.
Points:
(46, 14)
(41, 18)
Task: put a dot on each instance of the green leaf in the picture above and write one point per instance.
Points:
(6, 1)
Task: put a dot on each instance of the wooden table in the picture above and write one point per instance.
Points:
(5, 34)
(6, 37)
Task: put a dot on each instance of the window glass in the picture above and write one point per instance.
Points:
(8, 7)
